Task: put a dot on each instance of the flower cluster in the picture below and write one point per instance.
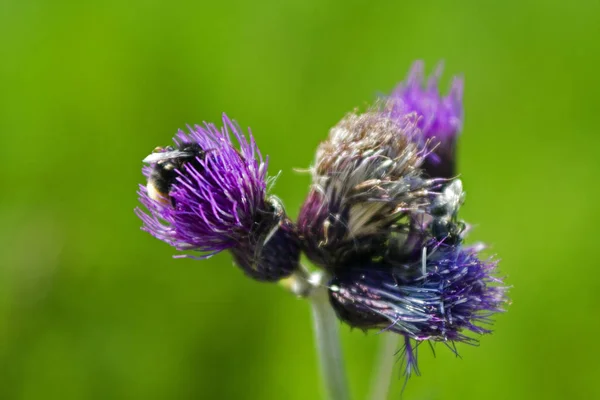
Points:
(382, 219)
(381, 216)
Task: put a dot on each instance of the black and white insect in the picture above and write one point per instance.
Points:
(167, 163)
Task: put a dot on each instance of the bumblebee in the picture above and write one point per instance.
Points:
(165, 162)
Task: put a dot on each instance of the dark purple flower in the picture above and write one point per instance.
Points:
(366, 180)
(442, 297)
(206, 194)
(440, 118)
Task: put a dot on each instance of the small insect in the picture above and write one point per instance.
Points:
(444, 210)
(166, 161)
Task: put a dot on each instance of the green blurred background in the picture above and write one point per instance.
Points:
(93, 308)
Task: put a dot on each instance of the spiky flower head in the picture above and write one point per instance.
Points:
(440, 117)
(208, 195)
(366, 179)
(442, 297)
(382, 218)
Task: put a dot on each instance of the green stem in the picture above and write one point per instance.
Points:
(384, 364)
(327, 337)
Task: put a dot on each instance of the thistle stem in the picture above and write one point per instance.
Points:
(327, 338)
(384, 364)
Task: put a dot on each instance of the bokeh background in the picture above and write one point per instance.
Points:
(93, 308)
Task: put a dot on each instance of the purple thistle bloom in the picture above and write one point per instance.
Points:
(441, 118)
(440, 298)
(366, 178)
(208, 196)
(381, 216)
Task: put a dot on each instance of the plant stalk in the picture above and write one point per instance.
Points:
(384, 364)
(327, 338)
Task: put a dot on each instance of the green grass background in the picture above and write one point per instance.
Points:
(93, 308)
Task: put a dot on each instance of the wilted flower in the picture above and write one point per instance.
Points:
(366, 179)
(440, 118)
(207, 195)
(441, 297)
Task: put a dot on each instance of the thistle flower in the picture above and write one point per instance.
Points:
(207, 195)
(366, 179)
(440, 119)
(381, 219)
(442, 297)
